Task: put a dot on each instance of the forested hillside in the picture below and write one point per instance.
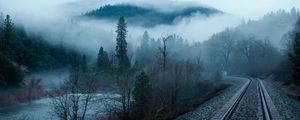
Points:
(22, 53)
(137, 15)
(248, 48)
(272, 26)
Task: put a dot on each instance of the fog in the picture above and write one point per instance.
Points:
(54, 21)
(51, 79)
(248, 9)
(181, 62)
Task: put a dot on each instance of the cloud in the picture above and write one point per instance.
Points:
(193, 29)
(53, 20)
(248, 9)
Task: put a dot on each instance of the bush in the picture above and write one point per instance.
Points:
(217, 76)
(142, 94)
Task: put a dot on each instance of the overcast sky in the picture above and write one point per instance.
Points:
(248, 9)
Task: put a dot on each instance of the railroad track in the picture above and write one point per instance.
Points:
(267, 107)
(263, 101)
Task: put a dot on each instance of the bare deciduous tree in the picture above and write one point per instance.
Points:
(222, 45)
(163, 53)
(71, 102)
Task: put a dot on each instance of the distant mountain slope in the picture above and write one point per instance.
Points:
(147, 17)
(36, 54)
(22, 53)
(273, 26)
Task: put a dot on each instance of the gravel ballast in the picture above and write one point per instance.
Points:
(288, 107)
(249, 108)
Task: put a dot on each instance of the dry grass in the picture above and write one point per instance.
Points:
(200, 100)
(290, 89)
(30, 91)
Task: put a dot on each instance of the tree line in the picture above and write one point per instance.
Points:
(22, 53)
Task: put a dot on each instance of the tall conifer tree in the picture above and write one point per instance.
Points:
(103, 62)
(7, 28)
(295, 58)
(7, 32)
(121, 48)
(294, 54)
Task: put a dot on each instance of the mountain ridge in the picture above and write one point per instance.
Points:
(141, 16)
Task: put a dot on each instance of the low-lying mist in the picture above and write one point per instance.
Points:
(55, 22)
(51, 79)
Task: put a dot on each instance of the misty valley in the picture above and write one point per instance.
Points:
(149, 60)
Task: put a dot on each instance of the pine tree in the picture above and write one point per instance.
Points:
(144, 51)
(121, 48)
(1, 21)
(142, 92)
(75, 72)
(145, 41)
(103, 62)
(293, 11)
(295, 58)
(297, 26)
(10, 72)
(1, 34)
(7, 32)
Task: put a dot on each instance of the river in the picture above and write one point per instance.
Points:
(42, 109)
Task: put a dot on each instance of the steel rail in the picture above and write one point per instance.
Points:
(264, 105)
(232, 108)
